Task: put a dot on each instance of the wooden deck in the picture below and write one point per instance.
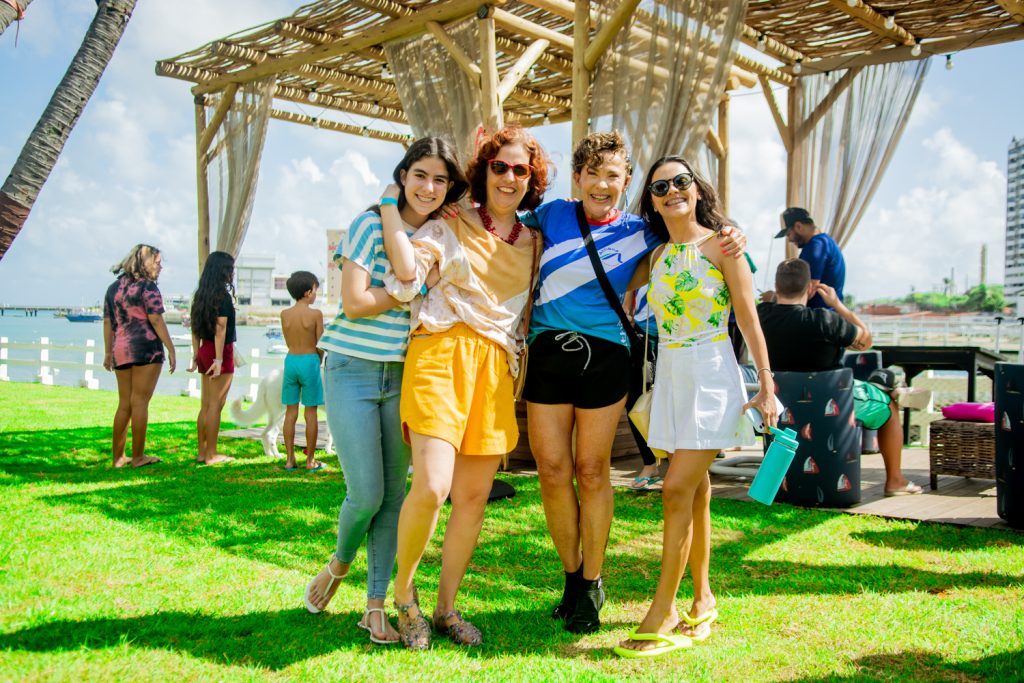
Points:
(958, 500)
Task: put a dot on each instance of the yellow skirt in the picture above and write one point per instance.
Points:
(457, 387)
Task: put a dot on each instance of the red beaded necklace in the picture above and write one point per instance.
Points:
(485, 218)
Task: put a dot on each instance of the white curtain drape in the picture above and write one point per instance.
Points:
(437, 96)
(662, 77)
(237, 149)
(843, 158)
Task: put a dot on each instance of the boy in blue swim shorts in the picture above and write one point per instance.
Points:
(302, 326)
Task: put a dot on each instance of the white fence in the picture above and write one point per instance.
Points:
(987, 333)
(46, 368)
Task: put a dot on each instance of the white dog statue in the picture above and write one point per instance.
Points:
(268, 402)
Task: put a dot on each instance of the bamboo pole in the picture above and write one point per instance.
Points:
(580, 75)
(202, 188)
(826, 104)
(1015, 8)
(773, 105)
(226, 100)
(606, 34)
(793, 158)
(516, 72)
(457, 53)
(714, 143)
(491, 109)
(723, 160)
(866, 16)
(903, 54)
(373, 35)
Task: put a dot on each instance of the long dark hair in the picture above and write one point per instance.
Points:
(214, 284)
(709, 209)
(423, 148)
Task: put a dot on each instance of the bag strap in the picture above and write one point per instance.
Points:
(538, 245)
(602, 277)
(647, 323)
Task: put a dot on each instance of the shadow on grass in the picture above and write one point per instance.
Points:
(937, 537)
(917, 665)
(276, 640)
(251, 508)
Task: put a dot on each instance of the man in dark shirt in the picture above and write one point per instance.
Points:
(803, 339)
(819, 250)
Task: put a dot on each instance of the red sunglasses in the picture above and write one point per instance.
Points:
(499, 167)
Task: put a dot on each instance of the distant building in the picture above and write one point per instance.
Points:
(1014, 273)
(256, 283)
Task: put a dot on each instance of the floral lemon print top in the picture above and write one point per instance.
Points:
(689, 296)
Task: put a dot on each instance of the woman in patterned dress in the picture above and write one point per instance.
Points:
(134, 338)
(699, 398)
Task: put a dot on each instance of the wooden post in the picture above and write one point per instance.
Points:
(202, 188)
(723, 160)
(492, 113)
(793, 159)
(580, 75)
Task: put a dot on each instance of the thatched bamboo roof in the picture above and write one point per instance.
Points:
(328, 53)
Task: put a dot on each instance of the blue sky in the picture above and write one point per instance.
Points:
(127, 173)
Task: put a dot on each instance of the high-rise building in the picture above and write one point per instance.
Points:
(1014, 280)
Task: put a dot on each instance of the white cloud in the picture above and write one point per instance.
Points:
(938, 224)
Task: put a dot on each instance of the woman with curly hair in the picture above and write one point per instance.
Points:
(457, 404)
(134, 338)
(213, 346)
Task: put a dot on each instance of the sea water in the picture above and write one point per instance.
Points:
(19, 328)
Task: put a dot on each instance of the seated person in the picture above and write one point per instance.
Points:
(802, 339)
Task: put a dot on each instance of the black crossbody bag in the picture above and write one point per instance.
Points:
(637, 350)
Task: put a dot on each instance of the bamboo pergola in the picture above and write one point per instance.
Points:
(537, 57)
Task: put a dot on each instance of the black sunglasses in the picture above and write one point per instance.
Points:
(659, 188)
(499, 167)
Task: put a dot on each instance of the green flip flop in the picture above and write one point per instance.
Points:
(666, 643)
(708, 618)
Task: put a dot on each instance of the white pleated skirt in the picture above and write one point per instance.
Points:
(698, 399)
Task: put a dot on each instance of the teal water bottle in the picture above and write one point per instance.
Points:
(774, 466)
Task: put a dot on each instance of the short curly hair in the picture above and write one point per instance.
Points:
(590, 150)
(488, 149)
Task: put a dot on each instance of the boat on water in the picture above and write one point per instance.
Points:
(82, 315)
(277, 349)
(274, 332)
(181, 339)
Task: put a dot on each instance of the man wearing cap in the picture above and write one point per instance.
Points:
(803, 339)
(819, 250)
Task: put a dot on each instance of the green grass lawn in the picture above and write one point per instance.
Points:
(178, 572)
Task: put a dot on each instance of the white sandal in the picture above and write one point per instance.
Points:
(313, 609)
(364, 624)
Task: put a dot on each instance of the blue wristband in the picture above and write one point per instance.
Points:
(389, 201)
(424, 290)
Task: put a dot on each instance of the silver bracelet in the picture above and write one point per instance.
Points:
(768, 370)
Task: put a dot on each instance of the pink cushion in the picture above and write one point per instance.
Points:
(970, 412)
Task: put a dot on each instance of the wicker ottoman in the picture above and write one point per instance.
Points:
(963, 449)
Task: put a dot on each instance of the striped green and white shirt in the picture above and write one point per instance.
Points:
(382, 337)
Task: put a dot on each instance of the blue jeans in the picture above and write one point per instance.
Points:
(362, 412)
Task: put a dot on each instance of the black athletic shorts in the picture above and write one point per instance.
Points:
(569, 367)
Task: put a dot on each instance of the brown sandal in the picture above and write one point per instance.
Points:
(460, 631)
(413, 629)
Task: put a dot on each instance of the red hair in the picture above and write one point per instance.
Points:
(488, 149)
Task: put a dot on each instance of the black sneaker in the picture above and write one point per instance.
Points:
(586, 617)
(565, 607)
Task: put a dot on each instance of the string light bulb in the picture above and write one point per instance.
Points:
(316, 123)
(313, 96)
(798, 67)
(366, 132)
(532, 73)
(890, 21)
(762, 40)
(852, 3)
(949, 62)
(916, 50)
(385, 72)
